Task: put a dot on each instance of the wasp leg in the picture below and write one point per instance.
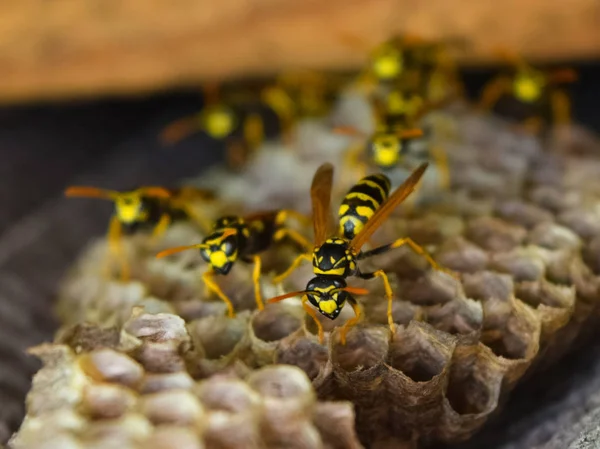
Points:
(237, 154)
(561, 108)
(441, 161)
(256, 280)
(203, 222)
(352, 159)
(293, 235)
(533, 125)
(180, 129)
(415, 247)
(389, 294)
(115, 246)
(208, 278)
(279, 278)
(160, 228)
(492, 93)
(254, 131)
(283, 215)
(309, 310)
(352, 321)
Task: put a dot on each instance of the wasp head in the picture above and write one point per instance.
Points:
(327, 295)
(130, 207)
(220, 250)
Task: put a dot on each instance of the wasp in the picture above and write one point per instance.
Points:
(397, 135)
(301, 94)
(236, 238)
(335, 256)
(241, 130)
(411, 63)
(528, 94)
(144, 207)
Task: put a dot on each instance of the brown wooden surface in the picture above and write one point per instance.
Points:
(75, 48)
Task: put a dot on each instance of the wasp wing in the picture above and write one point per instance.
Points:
(399, 195)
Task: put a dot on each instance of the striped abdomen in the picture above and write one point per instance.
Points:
(361, 202)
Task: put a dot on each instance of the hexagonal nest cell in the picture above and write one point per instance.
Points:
(156, 363)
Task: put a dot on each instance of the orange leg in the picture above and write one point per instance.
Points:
(352, 322)
(207, 277)
(561, 108)
(310, 311)
(492, 93)
(115, 246)
(256, 280)
(422, 252)
(160, 228)
(279, 278)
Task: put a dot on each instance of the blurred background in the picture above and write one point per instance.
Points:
(86, 87)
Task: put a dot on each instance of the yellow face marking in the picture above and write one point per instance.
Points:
(386, 156)
(219, 123)
(218, 259)
(328, 306)
(528, 87)
(129, 208)
(387, 62)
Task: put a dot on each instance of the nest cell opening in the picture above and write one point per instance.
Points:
(471, 389)
(364, 349)
(218, 335)
(415, 352)
(276, 322)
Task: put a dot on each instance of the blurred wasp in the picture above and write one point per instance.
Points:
(154, 207)
(335, 258)
(398, 138)
(241, 130)
(528, 95)
(236, 238)
(301, 94)
(411, 63)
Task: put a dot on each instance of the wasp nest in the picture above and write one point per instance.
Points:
(520, 224)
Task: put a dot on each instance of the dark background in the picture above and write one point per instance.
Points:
(45, 147)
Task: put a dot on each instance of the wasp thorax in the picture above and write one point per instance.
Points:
(326, 294)
(333, 258)
(220, 252)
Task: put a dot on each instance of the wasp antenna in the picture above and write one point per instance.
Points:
(356, 290)
(177, 249)
(410, 133)
(157, 192)
(566, 75)
(347, 131)
(286, 296)
(89, 192)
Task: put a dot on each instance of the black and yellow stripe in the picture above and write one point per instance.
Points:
(361, 202)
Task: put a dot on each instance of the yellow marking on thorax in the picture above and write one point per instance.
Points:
(332, 272)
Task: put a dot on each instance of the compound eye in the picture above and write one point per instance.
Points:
(227, 247)
(204, 253)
